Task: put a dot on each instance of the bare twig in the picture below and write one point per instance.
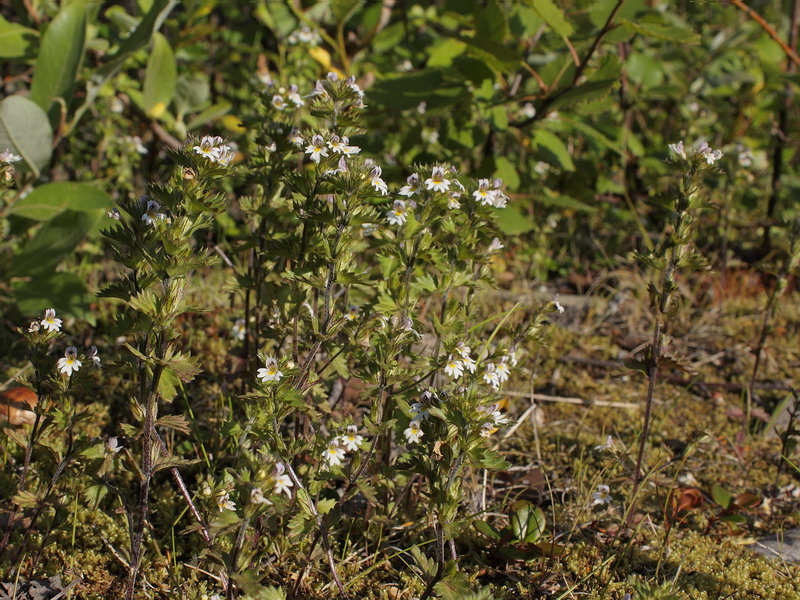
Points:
(790, 53)
(569, 400)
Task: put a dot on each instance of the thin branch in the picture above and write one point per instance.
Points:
(790, 54)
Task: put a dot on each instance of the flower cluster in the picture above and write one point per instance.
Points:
(703, 150)
(214, 149)
(70, 363)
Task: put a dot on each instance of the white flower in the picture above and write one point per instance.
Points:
(114, 214)
(376, 182)
(351, 440)
(34, 327)
(499, 196)
(294, 96)
(491, 376)
(70, 363)
(437, 181)
(151, 214)
(278, 103)
(745, 156)
(208, 147)
(608, 445)
(710, 155)
(352, 313)
(499, 418)
(495, 246)
(483, 194)
(678, 149)
(295, 137)
(452, 201)
(50, 323)
(93, 356)
(257, 497)
(467, 360)
(502, 371)
(225, 155)
(270, 371)
(412, 187)
(453, 367)
(224, 502)
(317, 148)
(602, 495)
(413, 432)
(7, 157)
(238, 330)
(341, 146)
(397, 215)
(282, 481)
(113, 445)
(557, 304)
(333, 454)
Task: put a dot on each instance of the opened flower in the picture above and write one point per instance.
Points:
(710, 155)
(397, 215)
(334, 455)
(484, 193)
(351, 440)
(413, 432)
(317, 148)
(238, 330)
(93, 356)
(270, 372)
(151, 214)
(678, 149)
(50, 322)
(453, 367)
(412, 187)
(69, 364)
(207, 148)
(491, 376)
(224, 502)
(602, 495)
(282, 481)
(376, 182)
(437, 181)
(352, 313)
(294, 96)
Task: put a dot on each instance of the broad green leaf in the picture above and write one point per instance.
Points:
(668, 33)
(486, 529)
(552, 199)
(443, 53)
(60, 56)
(591, 90)
(555, 149)
(51, 199)
(26, 131)
(56, 239)
(507, 171)
(209, 114)
(512, 221)
(407, 91)
(160, 77)
(553, 16)
(721, 496)
(66, 292)
(16, 41)
(527, 521)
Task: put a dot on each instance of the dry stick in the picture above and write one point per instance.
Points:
(568, 400)
(790, 53)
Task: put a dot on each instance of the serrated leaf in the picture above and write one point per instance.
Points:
(176, 422)
(553, 16)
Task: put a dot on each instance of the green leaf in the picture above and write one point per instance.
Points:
(16, 41)
(60, 56)
(407, 91)
(52, 243)
(554, 148)
(168, 385)
(443, 53)
(553, 16)
(25, 130)
(160, 77)
(527, 521)
(66, 292)
(721, 496)
(668, 33)
(513, 221)
(51, 199)
(507, 171)
(486, 529)
(209, 114)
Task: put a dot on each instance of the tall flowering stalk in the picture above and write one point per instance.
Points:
(675, 252)
(153, 239)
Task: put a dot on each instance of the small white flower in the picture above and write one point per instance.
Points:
(491, 376)
(499, 418)
(270, 371)
(341, 146)
(225, 155)
(413, 432)
(397, 215)
(351, 440)
(437, 181)
(453, 367)
(69, 364)
(678, 150)
(282, 481)
(333, 454)
(495, 246)
(412, 187)
(50, 322)
(114, 214)
(93, 356)
(294, 96)
(224, 502)
(113, 445)
(208, 147)
(317, 148)
(557, 304)
(278, 103)
(151, 214)
(257, 497)
(498, 195)
(7, 157)
(295, 137)
(710, 155)
(502, 371)
(238, 330)
(608, 445)
(463, 350)
(453, 201)
(34, 327)
(376, 182)
(483, 194)
(602, 495)
(352, 313)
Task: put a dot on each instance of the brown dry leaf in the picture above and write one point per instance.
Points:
(14, 405)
